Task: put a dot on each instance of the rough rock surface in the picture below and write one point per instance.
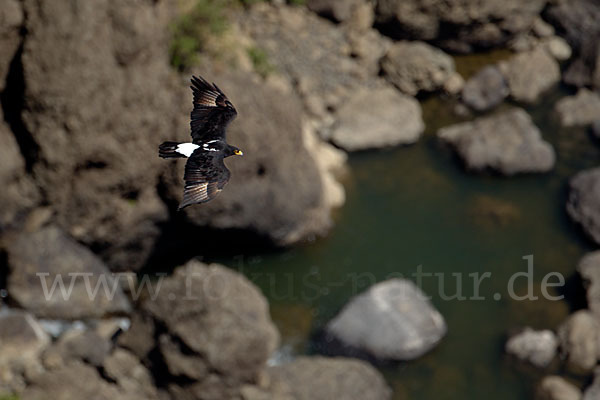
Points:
(589, 269)
(582, 204)
(219, 315)
(460, 25)
(417, 66)
(21, 337)
(77, 345)
(377, 118)
(557, 388)
(97, 119)
(530, 74)
(52, 253)
(334, 9)
(581, 109)
(11, 23)
(596, 128)
(593, 391)
(391, 320)
(276, 190)
(579, 342)
(536, 347)
(578, 19)
(74, 382)
(19, 191)
(507, 142)
(315, 54)
(320, 378)
(485, 90)
(129, 374)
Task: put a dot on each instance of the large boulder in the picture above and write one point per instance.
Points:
(507, 142)
(458, 24)
(129, 374)
(97, 119)
(416, 66)
(536, 347)
(580, 109)
(320, 378)
(219, 316)
(557, 388)
(391, 320)
(530, 74)
(53, 276)
(579, 342)
(377, 118)
(578, 20)
(485, 90)
(589, 269)
(583, 202)
(77, 345)
(277, 189)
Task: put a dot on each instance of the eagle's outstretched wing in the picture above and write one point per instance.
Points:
(212, 111)
(205, 175)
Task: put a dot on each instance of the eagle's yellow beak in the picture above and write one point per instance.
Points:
(238, 153)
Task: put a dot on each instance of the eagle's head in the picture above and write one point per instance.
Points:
(233, 151)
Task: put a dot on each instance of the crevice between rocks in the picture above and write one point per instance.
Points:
(12, 100)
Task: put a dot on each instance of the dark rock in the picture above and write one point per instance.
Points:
(219, 315)
(458, 24)
(320, 378)
(97, 119)
(77, 345)
(507, 142)
(49, 255)
(579, 342)
(596, 128)
(578, 19)
(11, 23)
(377, 118)
(391, 320)
(589, 269)
(582, 204)
(334, 9)
(485, 90)
(536, 347)
(416, 66)
(557, 388)
(581, 109)
(530, 74)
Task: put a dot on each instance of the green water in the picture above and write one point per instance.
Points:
(416, 206)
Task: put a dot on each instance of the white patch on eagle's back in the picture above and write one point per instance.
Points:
(186, 149)
(206, 147)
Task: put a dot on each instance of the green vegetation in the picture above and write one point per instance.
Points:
(192, 31)
(260, 61)
(11, 397)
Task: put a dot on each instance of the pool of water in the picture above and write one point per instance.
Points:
(416, 206)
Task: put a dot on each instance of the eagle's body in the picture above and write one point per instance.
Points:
(205, 172)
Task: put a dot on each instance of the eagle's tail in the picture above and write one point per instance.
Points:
(169, 150)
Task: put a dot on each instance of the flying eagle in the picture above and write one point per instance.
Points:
(205, 173)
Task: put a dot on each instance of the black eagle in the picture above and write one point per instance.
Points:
(205, 172)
